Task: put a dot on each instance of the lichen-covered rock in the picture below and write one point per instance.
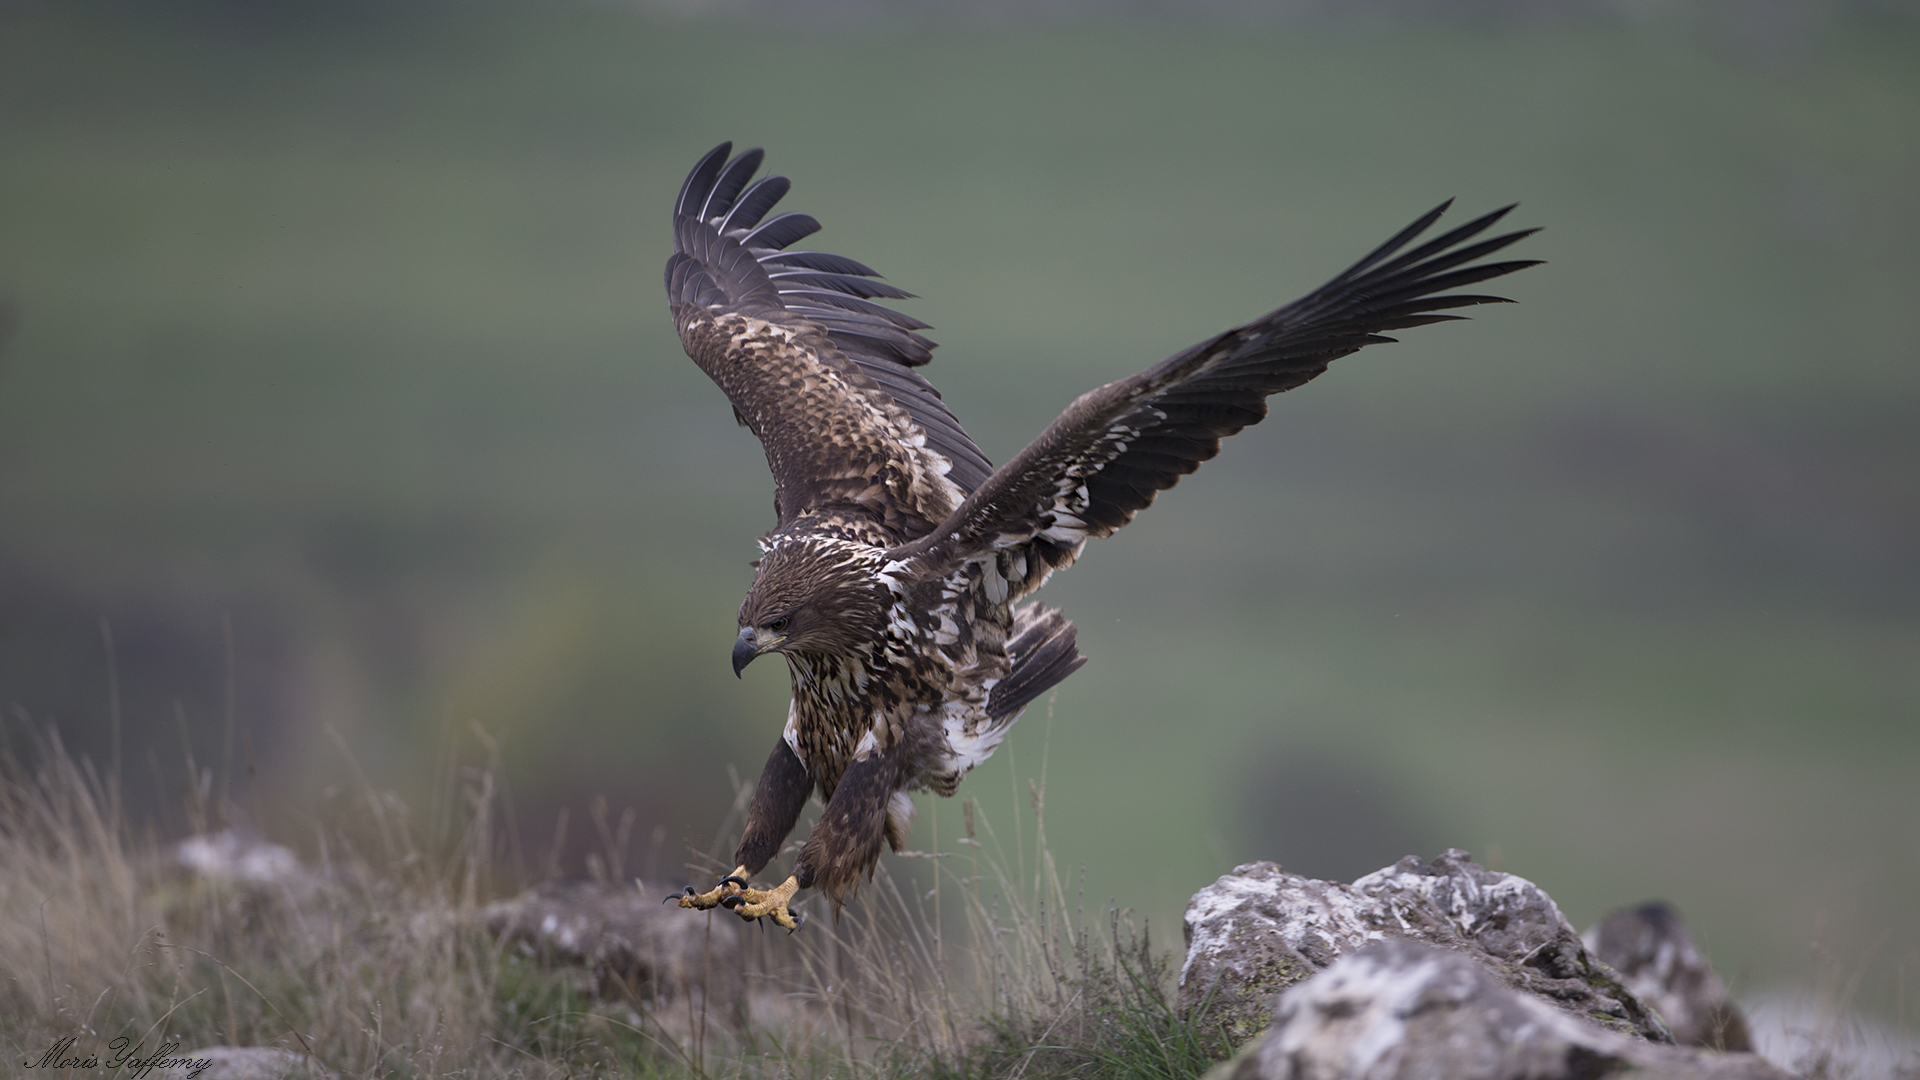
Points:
(1404, 1010)
(1259, 930)
(627, 945)
(233, 856)
(1650, 947)
(248, 881)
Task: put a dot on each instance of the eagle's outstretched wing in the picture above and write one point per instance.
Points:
(820, 373)
(1117, 447)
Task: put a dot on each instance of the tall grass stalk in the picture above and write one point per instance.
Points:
(374, 959)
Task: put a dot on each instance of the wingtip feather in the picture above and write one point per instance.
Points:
(731, 181)
(695, 188)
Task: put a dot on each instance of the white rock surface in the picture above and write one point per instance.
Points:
(1259, 930)
(230, 856)
(1404, 1010)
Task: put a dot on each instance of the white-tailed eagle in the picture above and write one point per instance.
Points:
(892, 582)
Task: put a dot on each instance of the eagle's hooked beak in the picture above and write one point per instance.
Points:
(745, 648)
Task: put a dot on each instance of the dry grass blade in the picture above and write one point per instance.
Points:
(373, 959)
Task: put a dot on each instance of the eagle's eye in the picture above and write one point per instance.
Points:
(779, 625)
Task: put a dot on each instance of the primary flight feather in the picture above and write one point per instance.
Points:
(892, 579)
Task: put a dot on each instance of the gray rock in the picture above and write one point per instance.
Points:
(256, 1063)
(232, 856)
(1656, 958)
(1404, 1010)
(1259, 930)
(252, 883)
(627, 944)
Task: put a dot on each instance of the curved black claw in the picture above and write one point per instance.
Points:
(735, 878)
(727, 889)
(671, 897)
(731, 902)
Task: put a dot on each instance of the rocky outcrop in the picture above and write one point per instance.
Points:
(1656, 958)
(249, 882)
(1257, 931)
(1260, 930)
(626, 944)
(236, 857)
(1405, 1010)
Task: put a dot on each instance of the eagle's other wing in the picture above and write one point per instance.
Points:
(1116, 447)
(820, 373)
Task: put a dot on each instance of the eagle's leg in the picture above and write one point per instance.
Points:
(841, 849)
(845, 843)
(777, 800)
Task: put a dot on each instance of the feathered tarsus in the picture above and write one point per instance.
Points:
(892, 578)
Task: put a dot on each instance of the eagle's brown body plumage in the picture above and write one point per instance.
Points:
(893, 577)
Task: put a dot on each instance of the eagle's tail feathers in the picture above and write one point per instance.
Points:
(1044, 652)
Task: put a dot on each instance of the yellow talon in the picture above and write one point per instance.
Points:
(731, 885)
(751, 904)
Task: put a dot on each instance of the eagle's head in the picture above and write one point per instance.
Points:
(812, 599)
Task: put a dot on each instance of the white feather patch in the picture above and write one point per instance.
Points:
(970, 739)
(792, 731)
(900, 814)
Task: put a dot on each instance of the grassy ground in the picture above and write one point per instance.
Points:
(379, 960)
(378, 963)
(341, 392)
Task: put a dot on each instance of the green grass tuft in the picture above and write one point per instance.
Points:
(375, 960)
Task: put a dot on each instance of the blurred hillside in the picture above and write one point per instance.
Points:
(340, 329)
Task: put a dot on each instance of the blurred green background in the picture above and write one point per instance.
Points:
(341, 327)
